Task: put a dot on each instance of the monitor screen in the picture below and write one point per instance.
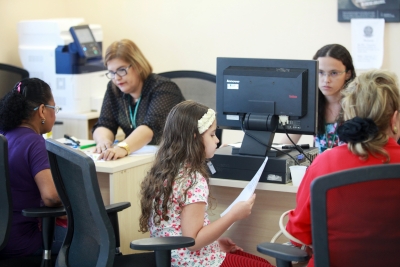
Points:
(264, 96)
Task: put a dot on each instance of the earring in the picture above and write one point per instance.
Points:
(43, 121)
(395, 130)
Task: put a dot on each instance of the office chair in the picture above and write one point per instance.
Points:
(9, 76)
(90, 239)
(5, 195)
(197, 86)
(354, 217)
(6, 211)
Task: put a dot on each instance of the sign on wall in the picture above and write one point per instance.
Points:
(367, 43)
(389, 10)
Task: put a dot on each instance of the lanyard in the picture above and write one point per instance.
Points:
(133, 119)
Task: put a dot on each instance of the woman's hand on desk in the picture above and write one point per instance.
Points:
(102, 146)
(113, 153)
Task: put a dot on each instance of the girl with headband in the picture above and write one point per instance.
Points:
(175, 193)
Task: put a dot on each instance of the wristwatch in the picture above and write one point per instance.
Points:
(125, 146)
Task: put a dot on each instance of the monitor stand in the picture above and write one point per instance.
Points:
(252, 143)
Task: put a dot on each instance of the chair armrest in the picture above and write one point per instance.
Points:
(44, 212)
(282, 252)
(112, 211)
(117, 207)
(162, 243)
(49, 215)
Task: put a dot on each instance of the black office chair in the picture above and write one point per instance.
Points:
(369, 197)
(197, 86)
(5, 194)
(90, 239)
(9, 76)
(6, 212)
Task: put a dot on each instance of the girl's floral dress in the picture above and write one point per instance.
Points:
(210, 255)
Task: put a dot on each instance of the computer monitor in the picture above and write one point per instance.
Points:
(264, 96)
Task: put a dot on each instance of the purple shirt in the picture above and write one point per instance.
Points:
(27, 156)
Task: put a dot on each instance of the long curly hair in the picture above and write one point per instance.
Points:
(181, 146)
(375, 95)
(19, 103)
(340, 53)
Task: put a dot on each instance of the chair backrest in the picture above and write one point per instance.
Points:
(9, 76)
(90, 239)
(5, 194)
(195, 85)
(355, 217)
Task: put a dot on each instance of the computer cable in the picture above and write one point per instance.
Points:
(297, 147)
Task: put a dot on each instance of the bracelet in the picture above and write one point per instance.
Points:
(125, 146)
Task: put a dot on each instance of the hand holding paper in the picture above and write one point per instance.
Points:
(248, 191)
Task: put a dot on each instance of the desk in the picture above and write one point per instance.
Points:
(262, 224)
(120, 181)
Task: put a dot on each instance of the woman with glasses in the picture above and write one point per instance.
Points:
(136, 100)
(27, 112)
(336, 71)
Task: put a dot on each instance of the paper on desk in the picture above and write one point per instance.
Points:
(92, 155)
(145, 150)
(248, 191)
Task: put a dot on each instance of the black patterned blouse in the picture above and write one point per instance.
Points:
(159, 95)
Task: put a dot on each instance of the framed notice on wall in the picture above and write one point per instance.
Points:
(389, 10)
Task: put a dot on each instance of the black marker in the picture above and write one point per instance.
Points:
(73, 139)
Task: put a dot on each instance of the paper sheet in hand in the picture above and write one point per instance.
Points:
(248, 191)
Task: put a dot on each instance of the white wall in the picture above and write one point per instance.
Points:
(181, 34)
(178, 34)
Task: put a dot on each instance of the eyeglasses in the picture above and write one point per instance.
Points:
(333, 74)
(56, 108)
(121, 72)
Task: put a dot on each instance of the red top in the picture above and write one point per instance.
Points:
(337, 159)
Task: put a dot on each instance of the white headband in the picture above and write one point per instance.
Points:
(205, 122)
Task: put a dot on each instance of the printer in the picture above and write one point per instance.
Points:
(70, 61)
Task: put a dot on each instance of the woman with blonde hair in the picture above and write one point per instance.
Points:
(371, 126)
(136, 100)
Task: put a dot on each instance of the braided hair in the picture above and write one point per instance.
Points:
(18, 105)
